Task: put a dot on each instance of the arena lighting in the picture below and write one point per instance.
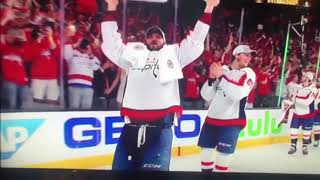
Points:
(286, 2)
(306, 4)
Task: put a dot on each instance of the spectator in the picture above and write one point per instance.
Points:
(251, 97)
(120, 93)
(15, 81)
(80, 16)
(112, 75)
(81, 64)
(43, 50)
(192, 99)
(263, 88)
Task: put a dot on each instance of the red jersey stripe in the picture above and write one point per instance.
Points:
(221, 168)
(149, 115)
(207, 163)
(239, 83)
(304, 97)
(305, 116)
(79, 76)
(225, 122)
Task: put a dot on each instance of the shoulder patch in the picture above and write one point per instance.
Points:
(250, 83)
(170, 64)
(138, 47)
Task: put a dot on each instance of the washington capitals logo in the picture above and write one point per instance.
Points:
(250, 83)
(170, 64)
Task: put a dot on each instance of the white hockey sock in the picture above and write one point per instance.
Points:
(222, 162)
(207, 158)
(306, 136)
(294, 136)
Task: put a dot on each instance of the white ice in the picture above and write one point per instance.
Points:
(266, 159)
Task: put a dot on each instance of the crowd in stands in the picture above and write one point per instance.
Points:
(53, 60)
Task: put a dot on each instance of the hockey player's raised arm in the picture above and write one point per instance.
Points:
(112, 43)
(240, 88)
(192, 46)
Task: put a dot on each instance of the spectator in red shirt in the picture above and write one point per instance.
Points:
(263, 87)
(14, 76)
(251, 97)
(192, 99)
(44, 71)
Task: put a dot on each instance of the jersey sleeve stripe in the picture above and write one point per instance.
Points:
(239, 83)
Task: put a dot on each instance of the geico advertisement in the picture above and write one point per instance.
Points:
(31, 138)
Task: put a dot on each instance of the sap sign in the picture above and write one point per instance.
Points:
(14, 133)
(90, 131)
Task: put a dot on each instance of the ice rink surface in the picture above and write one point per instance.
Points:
(265, 159)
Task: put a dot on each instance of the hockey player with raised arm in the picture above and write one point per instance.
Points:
(151, 99)
(303, 100)
(227, 90)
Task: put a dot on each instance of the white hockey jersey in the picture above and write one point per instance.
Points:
(152, 76)
(228, 97)
(304, 102)
(80, 66)
(291, 89)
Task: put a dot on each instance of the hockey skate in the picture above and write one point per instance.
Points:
(292, 150)
(304, 150)
(316, 143)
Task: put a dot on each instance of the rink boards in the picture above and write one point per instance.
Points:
(87, 139)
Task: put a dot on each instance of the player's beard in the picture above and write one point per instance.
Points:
(154, 46)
